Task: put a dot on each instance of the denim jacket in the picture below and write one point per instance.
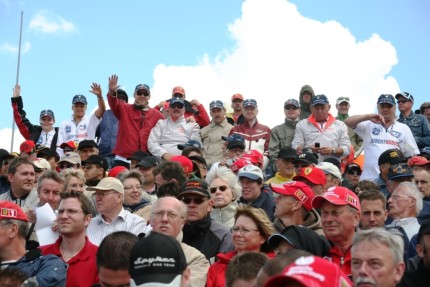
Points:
(419, 126)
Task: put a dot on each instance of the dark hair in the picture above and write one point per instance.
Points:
(170, 170)
(365, 185)
(23, 226)
(277, 264)
(244, 266)
(169, 189)
(16, 162)
(114, 250)
(186, 151)
(11, 277)
(85, 203)
(373, 195)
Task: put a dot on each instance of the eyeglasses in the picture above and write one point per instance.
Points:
(197, 200)
(176, 106)
(65, 165)
(354, 172)
(170, 214)
(396, 196)
(215, 188)
(69, 211)
(291, 108)
(103, 194)
(129, 187)
(402, 101)
(243, 230)
(178, 95)
(237, 101)
(142, 93)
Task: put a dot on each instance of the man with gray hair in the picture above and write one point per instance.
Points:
(377, 258)
(404, 204)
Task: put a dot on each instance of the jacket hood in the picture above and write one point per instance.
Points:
(304, 89)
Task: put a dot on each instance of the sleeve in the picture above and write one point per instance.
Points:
(52, 271)
(266, 142)
(344, 141)
(299, 138)
(93, 123)
(274, 143)
(24, 125)
(360, 129)
(154, 138)
(60, 139)
(115, 106)
(424, 140)
(198, 264)
(195, 133)
(202, 118)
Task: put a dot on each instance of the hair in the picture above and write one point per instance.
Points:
(170, 170)
(424, 106)
(392, 239)
(16, 162)
(68, 173)
(23, 226)
(169, 189)
(277, 264)
(365, 185)
(131, 174)
(85, 203)
(373, 195)
(228, 176)
(244, 266)
(260, 218)
(186, 151)
(114, 250)
(11, 277)
(414, 192)
(52, 175)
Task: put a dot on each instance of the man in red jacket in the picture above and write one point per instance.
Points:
(135, 121)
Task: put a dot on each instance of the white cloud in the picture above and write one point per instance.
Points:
(277, 51)
(5, 139)
(48, 22)
(12, 49)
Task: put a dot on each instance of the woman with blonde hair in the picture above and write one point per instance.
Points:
(251, 230)
(225, 190)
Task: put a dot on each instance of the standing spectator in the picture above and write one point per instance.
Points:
(418, 124)
(425, 110)
(380, 132)
(194, 110)
(321, 132)
(5, 159)
(212, 134)
(80, 126)
(340, 214)
(45, 134)
(108, 130)
(342, 106)
(256, 135)
(236, 117)
(73, 246)
(112, 216)
(167, 134)
(305, 97)
(135, 121)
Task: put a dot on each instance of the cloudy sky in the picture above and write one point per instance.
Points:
(264, 49)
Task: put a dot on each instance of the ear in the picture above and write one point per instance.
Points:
(297, 205)
(357, 218)
(10, 177)
(420, 250)
(398, 272)
(210, 204)
(87, 219)
(186, 277)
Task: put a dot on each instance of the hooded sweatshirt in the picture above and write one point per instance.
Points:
(305, 108)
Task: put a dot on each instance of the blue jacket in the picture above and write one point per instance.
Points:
(108, 133)
(419, 126)
(49, 270)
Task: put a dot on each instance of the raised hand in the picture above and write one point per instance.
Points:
(17, 91)
(96, 90)
(113, 83)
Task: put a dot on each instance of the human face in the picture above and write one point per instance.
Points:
(284, 205)
(427, 113)
(373, 214)
(422, 180)
(197, 210)
(291, 112)
(49, 192)
(4, 166)
(387, 111)
(353, 176)
(237, 105)
(168, 216)
(132, 191)
(113, 278)
(218, 115)
(22, 181)
(399, 204)
(283, 247)
(405, 105)
(91, 171)
(318, 189)
(46, 122)
(331, 181)
(306, 97)
(160, 180)
(423, 249)
(148, 176)
(107, 201)
(373, 265)
(250, 113)
(221, 197)
(235, 152)
(85, 153)
(70, 217)
(79, 110)
(176, 111)
(338, 222)
(285, 167)
(141, 97)
(75, 184)
(342, 108)
(320, 112)
(251, 189)
(246, 236)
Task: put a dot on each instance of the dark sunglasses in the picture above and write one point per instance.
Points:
(65, 165)
(176, 106)
(343, 99)
(291, 107)
(221, 187)
(352, 172)
(402, 101)
(197, 200)
(142, 93)
(178, 95)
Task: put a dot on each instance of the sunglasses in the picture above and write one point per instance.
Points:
(221, 187)
(197, 200)
(291, 108)
(402, 101)
(352, 172)
(66, 165)
(142, 93)
(178, 95)
(176, 106)
(343, 99)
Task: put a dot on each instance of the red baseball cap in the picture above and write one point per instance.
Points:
(27, 146)
(69, 144)
(311, 271)
(238, 164)
(418, 161)
(237, 96)
(300, 191)
(185, 162)
(254, 156)
(10, 210)
(338, 195)
(313, 174)
(115, 171)
(178, 90)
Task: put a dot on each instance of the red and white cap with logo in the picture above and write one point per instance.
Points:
(299, 190)
(338, 195)
(11, 210)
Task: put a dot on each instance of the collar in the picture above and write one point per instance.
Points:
(121, 215)
(223, 124)
(198, 228)
(404, 221)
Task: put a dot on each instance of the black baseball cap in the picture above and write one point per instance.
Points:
(87, 143)
(149, 161)
(138, 155)
(96, 159)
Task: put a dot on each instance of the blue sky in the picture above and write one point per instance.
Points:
(264, 49)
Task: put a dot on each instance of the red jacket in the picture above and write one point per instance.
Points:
(256, 137)
(342, 259)
(134, 126)
(198, 112)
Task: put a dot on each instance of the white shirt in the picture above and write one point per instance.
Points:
(410, 225)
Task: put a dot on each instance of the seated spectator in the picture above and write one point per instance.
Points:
(135, 199)
(233, 150)
(373, 209)
(202, 168)
(187, 165)
(5, 159)
(137, 157)
(70, 160)
(397, 174)
(366, 185)
(146, 167)
(95, 168)
(306, 159)
(69, 146)
(314, 177)
(87, 148)
(243, 269)
(168, 171)
(50, 155)
(351, 176)
(284, 164)
(332, 174)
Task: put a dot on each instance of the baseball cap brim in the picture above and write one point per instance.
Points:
(318, 201)
(249, 175)
(153, 280)
(275, 239)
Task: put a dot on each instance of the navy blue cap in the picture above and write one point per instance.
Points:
(189, 143)
(47, 112)
(319, 100)
(292, 102)
(216, 104)
(149, 161)
(249, 102)
(386, 99)
(142, 87)
(406, 95)
(234, 137)
(399, 170)
(79, 99)
(176, 101)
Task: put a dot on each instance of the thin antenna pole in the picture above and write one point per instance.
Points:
(17, 79)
